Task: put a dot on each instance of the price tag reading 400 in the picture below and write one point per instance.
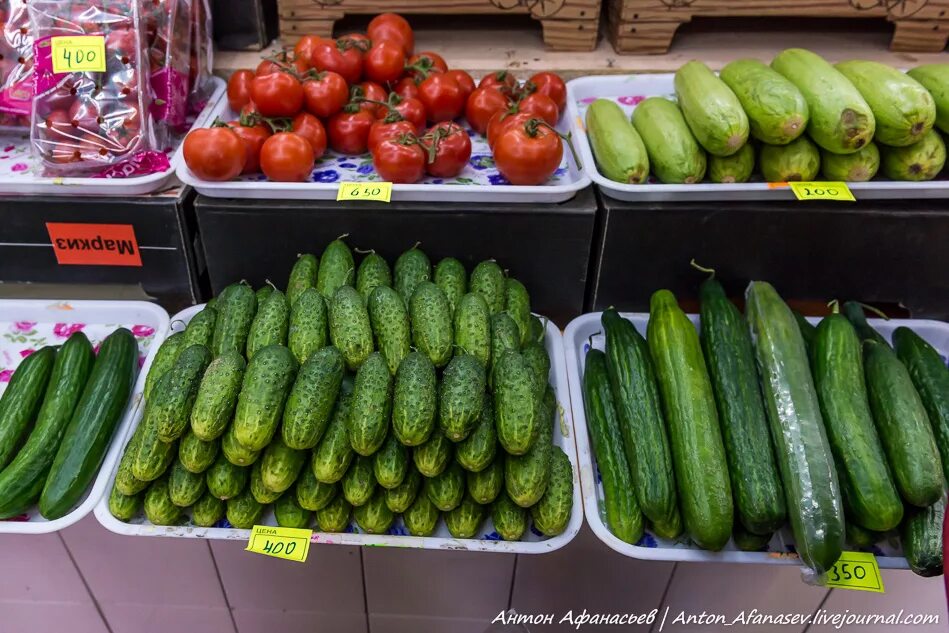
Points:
(287, 543)
(856, 570)
(80, 53)
(838, 191)
(378, 191)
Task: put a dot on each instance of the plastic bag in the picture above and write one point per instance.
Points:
(85, 119)
(16, 65)
(202, 56)
(168, 34)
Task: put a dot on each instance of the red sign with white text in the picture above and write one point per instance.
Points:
(94, 244)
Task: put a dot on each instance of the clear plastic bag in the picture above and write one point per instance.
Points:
(168, 28)
(85, 120)
(16, 65)
(202, 56)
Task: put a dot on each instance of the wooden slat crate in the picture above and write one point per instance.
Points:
(567, 24)
(648, 26)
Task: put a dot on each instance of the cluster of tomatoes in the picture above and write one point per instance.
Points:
(373, 92)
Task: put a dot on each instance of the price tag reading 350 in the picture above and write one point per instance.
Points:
(287, 543)
(856, 570)
(378, 191)
(80, 53)
(838, 191)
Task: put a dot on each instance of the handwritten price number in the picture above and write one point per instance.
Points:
(379, 191)
(79, 54)
(822, 191)
(286, 543)
(366, 191)
(280, 547)
(856, 570)
(842, 571)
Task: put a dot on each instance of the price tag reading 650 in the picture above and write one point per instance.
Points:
(287, 543)
(378, 191)
(80, 53)
(856, 570)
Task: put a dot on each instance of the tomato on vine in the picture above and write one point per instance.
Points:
(400, 160)
(383, 129)
(442, 97)
(385, 62)
(464, 80)
(391, 26)
(239, 89)
(450, 149)
(541, 106)
(348, 130)
(310, 128)
(325, 93)
(501, 80)
(483, 104)
(528, 153)
(286, 157)
(214, 154)
(278, 94)
(549, 84)
(253, 135)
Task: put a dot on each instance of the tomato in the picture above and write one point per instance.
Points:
(215, 153)
(452, 149)
(501, 80)
(253, 137)
(286, 157)
(238, 89)
(359, 40)
(305, 47)
(548, 84)
(310, 128)
(340, 57)
(500, 122)
(349, 131)
(277, 95)
(406, 88)
(267, 67)
(249, 109)
(373, 92)
(528, 153)
(270, 66)
(442, 97)
(426, 62)
(398, 160)
(483, 104)
(382, 130)
(410, 110)
(325, 94)
(464, 80)
(391, 26)
(540, 106)
(384, 62)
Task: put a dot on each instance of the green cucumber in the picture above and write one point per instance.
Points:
(261, 493)
(535, 354)
(184, 486)
(526, 476)
(195, 454)
(200, 329)
(333, 455)
(264, 391)
(510, 519)
(391, 463)
(225, 480)
(263, 292)
(374, 516)
(125, 481)
(920, 161)
(735, 168)
(477, 451)
(302, 276)
(798, 160)
(313, 494)
(505, 336)
(243, 511)
(431, 323)
(552, 513)
(235, 452)
(674, 155)
(165, 357)
(517, 303)
(485, 485)
(860, 166)
(432, 457)
(935, 78)
(236, 308)
(372, 406)
(515, 404)
(337, 269)
(859, 536)
(452, 278)
(730, 358)
(617, 147)
(487, 280)
(217, 396)
(390, 323)
(538, 329)
(921, 536)
(22, 399)
(473, 328)
(280, 465)
(172, 405)
(854, 313)
(290, 514)
(461, 396)
(711, 109)
(373, 272)
(402, 496)
(270, 324)
(808, 329)
(414, 400)
(335, 516)
(803, 452)
(92, 425)
(446, 489)
(698, 453)
(159, 509)
(776, 109)
(208, 511)
(639, 418)
(749, 542)
(422, 516)
(124, 507)
(350, 328)
(22, 480)
(465, 520)
(152, 457)
(411, 268)
(307, 331)
(310, 403)
(359, 482)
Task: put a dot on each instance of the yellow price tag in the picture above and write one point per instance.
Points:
(279, 542)
(80, 53)
(379, 191)
(838, 191)
(856, 570)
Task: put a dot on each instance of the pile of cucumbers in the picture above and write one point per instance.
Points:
(363, 392)
(794, 120)
(755, 424)
(57, 417)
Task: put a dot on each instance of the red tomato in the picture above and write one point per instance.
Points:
(410, 110)
(483, 104)
(277, 95)
(340, 57)
(349, 131)
(215, 153)
(382, 130)
(400, 161)
(540, 106)
(286, 157)
(310, 128)
(373, 92)
(267, 67)
(360, 40)
(384, 62)
(305, 47)
(548, 84)
(238, 89)
(426, 62)
(464, 80)
(406, 88)
(452, 149)
(391, 26)
(528, 153)
(249, 109)
(502, 80)
(501, 121)
(253, 138)
(271, 66)
(442, 97)
(325, 94)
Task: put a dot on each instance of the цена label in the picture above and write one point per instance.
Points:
(838, 191)
(856, 570)
(78, 53)
(94, 244)
(280, 542)
(378, 191)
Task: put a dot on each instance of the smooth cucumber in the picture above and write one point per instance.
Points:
(922, 539)
(22, 400)
(617, 147)
(776, 109)
(674, 155)
(711, 109)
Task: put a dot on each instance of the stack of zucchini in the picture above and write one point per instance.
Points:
(368, 392)
(57, 417)
(770, 421)
(860, 116)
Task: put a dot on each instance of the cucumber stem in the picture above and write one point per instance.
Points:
(880, 313)
(710, 271)
(834, 306)
(270, 283)
(371, 251)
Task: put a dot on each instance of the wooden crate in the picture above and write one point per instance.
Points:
(567, 24)
(648, 26)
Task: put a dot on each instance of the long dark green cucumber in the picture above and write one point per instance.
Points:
(922, 535)
(22, 400)
(808, 330)
(854, 313)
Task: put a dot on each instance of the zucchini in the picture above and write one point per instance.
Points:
(623, 516)
(711, 109)
(735, 168)
(698, 454)
(935, 78)
(674, 154)
(921, 536)
(617, 147)
(22, 400)
(92, 424)
(920, 161)
(860, 166)
(776, 109)
(797, 429)
(797, 161)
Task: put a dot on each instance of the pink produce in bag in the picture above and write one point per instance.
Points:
(168, 28)
(202, 56)
(86, 119)
(16, 65)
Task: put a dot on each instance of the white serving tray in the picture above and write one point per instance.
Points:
(20, 172)
(628, 90)
(586, 330)
(31, 324)
(479, 182)
(488, 540)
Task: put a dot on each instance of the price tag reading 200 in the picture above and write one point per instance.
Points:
(287, 543)
(378, 191)
(80, 53)
(838, 191)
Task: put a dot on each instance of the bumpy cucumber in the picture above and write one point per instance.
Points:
(184, 486)
(333, 455)
(487, 280)
(302, 276)
(270, 324)
(350, 328)
(165, 357)
(217, 396)
(171, 406)
(505, 336)
(617, 147)
(208, 511)
(431, 323)
(389, 319)
(552, 513)
(225, 480)
(310, 403)
(200, 329)
(195, 454)
(411, 268)
(446, 489)
(124, 507)
(391, 463)
(261, 493)
(402, 496)
(313, 494)
(476, 451)
(674, 154)
(359, 483)
(465, 520)
(414, 400)
(776, 109)
(290, 514)
(485, 485)
(473, 328)
(337, 269)
(125, 481)
(264, 391)
(335, 516)
(235, 452)
(236, 308)
(22, 400)
(433, 456)
(515, 405)
(308, 329)
(421, 517)
(152, 456)
(374, 517)
(526, 476)
(452, 278)
(372, 406)
(373, 272)
(517, 303)
(510, 519)
(263, 292)
(711, 109)
(280, 465)
(158, 506)
(243, 511)
(461, 396)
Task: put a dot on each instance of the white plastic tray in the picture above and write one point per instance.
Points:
(629, 90)
(586, 329)
(479, 182)
(488, 540)
(31, 324)
(20, 172)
